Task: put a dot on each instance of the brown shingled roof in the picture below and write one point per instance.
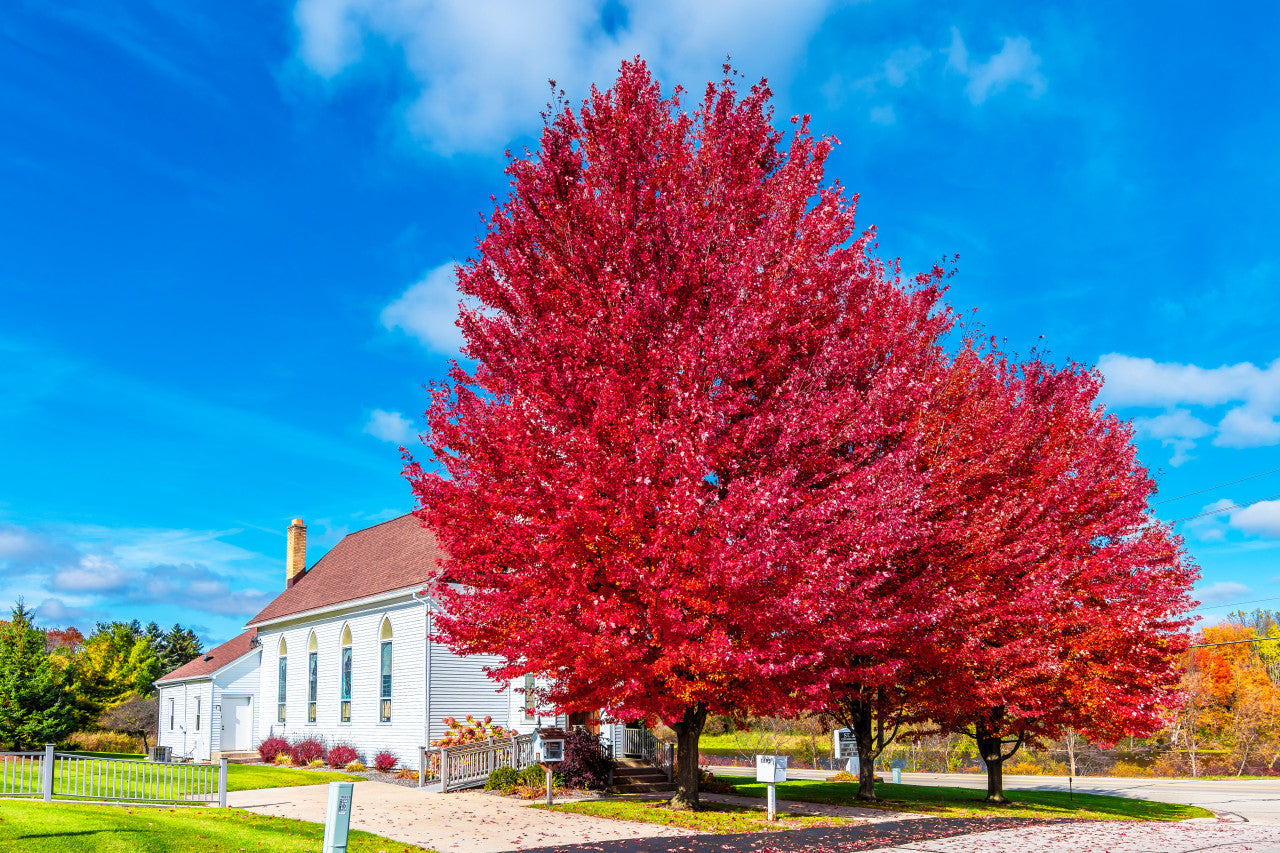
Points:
(214, 659)
(396, 554)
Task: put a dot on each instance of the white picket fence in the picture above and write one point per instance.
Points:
(54, 776)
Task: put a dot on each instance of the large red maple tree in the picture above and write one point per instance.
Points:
(689, 368)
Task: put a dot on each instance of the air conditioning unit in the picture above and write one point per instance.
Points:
(162, 754)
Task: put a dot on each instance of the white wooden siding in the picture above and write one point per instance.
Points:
(184, 738)
(403, 735)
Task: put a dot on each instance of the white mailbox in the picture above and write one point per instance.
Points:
(771, 768)
(548, 746)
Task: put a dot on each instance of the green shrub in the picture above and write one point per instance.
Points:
(533, 775)
(504, 779)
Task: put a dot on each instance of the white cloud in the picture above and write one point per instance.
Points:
(480, 68)
(53, 611)
(1259, 519)
(1222, 591)
(1252, 392)
(1178, 429)
(1015, 62)
(390, 426)
(428, 311)
(93, 573)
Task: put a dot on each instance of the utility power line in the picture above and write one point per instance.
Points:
(1236, 642)
(1223, 509)
(1219, 486)
(1235, 603)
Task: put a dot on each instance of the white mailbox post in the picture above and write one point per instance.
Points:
(844, 746)
(771, 769)
(548, 750)
(337, 819)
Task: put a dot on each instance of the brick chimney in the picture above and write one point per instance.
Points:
(295, 554)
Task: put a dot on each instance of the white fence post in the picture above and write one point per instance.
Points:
(46, 773)
(222, 783)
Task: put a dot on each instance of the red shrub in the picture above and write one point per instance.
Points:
(306, 751)
(342, 755)
(385, 761)
(271, 747)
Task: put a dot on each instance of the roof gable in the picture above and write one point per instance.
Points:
(216, 658)
(395, 554)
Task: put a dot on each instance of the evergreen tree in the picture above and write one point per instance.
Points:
(33, 707)
(179, 646)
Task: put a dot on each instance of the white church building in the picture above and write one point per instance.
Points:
(342, 654)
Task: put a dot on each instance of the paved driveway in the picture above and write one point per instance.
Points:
(465, 822)
(1256, 801)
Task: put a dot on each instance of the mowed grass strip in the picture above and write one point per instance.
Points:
(58, 827)
(967, 802)
(712, 817)
(253, 777)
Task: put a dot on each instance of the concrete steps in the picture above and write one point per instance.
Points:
(637, 778)
(238, 757)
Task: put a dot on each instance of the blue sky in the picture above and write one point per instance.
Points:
(227, 230)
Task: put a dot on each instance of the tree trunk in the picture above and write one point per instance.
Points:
(860, 715)
(991, 748)
(688, 731)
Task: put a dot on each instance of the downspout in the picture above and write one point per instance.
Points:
(425, 598)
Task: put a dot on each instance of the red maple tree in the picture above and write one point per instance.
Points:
(690, 369)
(1068, 597)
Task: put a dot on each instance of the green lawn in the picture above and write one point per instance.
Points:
(966, 802)
(251, 777)
(712, 817)
(59, 827)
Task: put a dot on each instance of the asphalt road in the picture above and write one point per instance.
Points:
(1254, 801)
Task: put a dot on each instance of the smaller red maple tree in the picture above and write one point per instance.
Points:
(1071, 598)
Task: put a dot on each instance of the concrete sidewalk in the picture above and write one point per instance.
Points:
(462, 822)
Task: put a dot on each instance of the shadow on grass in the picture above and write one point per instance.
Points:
(871, 836)
(928, 799)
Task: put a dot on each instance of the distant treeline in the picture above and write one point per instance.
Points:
(54, 681)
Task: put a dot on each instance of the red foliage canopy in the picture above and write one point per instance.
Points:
(689, 368)
(1068, 597)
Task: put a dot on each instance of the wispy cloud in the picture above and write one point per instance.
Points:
(1014, 63)
(1221, 592)
(390, 426)
(81, 571)
(1251, 393)
(480, 69)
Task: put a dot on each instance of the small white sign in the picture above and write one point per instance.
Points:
(771, 768)
(844, 744)
(344, 805)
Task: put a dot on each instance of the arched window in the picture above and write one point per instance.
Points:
(344, 713)
(530, 708)
(281, 680)
(384, 705)
(313, 675)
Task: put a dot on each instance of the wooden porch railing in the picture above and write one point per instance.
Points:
(451, 768)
